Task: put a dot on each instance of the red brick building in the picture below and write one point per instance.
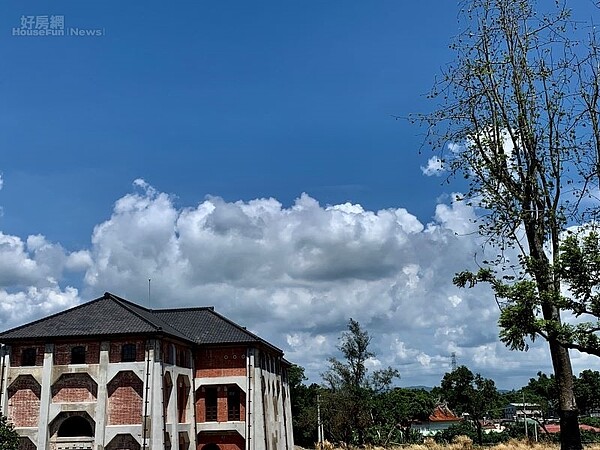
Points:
(110, 374)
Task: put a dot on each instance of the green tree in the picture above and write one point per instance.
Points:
(469, 393)
(9, 439)
(304, 406)
(579, 267)
(347, 403)
(587, 390)
(395, 409)
(520, 106)
(546, 389)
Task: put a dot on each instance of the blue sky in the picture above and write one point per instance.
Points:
(211, 107)
(240, 100)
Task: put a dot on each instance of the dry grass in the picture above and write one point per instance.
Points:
(464, 443)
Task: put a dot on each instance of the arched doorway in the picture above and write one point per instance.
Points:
(75, 426)
(211, 447)
(72, 429)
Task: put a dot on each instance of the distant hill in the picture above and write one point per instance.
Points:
(419, 388)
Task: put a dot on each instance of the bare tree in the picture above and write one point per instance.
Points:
(519, 120)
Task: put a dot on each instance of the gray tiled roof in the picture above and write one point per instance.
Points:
(112, 315)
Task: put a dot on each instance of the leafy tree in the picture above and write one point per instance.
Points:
(579, 267)
(395, 409)
(9, 439)
(520, 107)
(587, 390)
(469, 393)
(544, 387)
(347, 404)
(304, 406)
(544, 391)
(591, 421)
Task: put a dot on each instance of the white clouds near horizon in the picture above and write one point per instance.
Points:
(293, 275)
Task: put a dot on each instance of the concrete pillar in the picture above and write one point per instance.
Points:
(102, 398)
(4, 366)
(147, 423)
(46, 398)
(171, 419)
(287, 411)
(157, 398)
(259, 435)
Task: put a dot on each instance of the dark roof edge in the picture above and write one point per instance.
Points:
(258, 338)
(71, 337)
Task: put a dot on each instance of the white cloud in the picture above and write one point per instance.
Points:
(32, 303)
(454, 300)
(294, 275)
(30, 272)
(1, 181)
(435, 166)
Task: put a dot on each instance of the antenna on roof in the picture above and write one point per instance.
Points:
(149, 304)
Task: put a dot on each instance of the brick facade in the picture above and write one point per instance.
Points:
(123, 442)
(17, 354)
(62, 352)
(116, 350)
(125, 399)
(225, 441)
(26, 444)
(222, 403)
(24, 401)
(74, 388)
(220, 362)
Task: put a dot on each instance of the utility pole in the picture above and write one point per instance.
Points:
(525, 417)
(319, 423)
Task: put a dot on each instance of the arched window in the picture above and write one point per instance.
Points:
(75, 426)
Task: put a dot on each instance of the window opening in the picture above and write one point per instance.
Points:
(233, 404)
(78, 355)
(128, 353)
(210, 401)
(28, 357)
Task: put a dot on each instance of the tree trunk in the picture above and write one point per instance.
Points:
(570, 436)
(549, 291)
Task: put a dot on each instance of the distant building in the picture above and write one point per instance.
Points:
(112, 375)
(518, 411)
(555, 428)
(440, 419)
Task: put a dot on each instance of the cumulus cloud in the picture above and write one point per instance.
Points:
(30, 275)
(434, 166)
(33, 302)
(292, 274)
(296, 274)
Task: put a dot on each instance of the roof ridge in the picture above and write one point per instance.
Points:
(188, 308)
(156, 321)
(60, 313)
(128, 306)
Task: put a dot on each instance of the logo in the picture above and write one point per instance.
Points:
(52, 26)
